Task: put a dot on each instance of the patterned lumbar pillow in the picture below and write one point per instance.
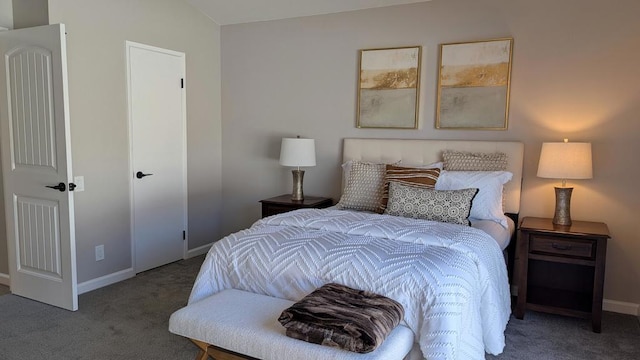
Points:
(421, 177)
(450, 206)
(468, 161)
(364, 187)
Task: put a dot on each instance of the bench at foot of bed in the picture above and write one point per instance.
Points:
(239, 325)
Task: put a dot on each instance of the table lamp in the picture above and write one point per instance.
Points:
(565, 160)
(297, 152)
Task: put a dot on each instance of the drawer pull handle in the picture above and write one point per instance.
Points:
(561, 247)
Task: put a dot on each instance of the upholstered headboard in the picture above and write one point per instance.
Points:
(421, 152)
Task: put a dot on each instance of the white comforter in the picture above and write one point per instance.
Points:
(451, 279)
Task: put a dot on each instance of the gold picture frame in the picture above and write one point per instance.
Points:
(389, 88)
(474, 82)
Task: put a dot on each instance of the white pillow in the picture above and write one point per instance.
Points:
(487, 205)
(346, 170)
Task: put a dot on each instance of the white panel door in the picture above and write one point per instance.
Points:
(157, 119)
(36, 165)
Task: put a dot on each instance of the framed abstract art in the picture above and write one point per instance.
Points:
(389, 88)
(473, 85)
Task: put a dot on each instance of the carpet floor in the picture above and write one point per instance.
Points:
(129, 320)
(542, 336)
(123, 321)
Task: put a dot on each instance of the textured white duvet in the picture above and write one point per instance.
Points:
(451, 279)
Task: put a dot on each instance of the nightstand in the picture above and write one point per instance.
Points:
(561, 268)
(283, 203)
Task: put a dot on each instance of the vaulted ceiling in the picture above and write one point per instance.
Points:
(225, 12)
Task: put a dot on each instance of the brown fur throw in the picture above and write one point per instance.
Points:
(339, 316)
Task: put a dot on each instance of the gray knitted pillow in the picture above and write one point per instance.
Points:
(468, 161)
(364, 187)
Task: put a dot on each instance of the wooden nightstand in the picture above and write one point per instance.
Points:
(561, 268)
(283, 203)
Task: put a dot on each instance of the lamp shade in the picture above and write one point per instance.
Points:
(565, 160)
(298, 152)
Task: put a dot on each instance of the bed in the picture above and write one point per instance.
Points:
(451, 279)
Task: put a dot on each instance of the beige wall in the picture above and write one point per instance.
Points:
(6, 14)
(96, 35)
(29, 13)
(575, 75)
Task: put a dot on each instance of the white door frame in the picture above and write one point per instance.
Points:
(128, 46)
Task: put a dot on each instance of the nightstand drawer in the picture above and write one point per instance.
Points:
(565, 247)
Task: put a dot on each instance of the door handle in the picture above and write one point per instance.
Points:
(60, 187)
(140, 174)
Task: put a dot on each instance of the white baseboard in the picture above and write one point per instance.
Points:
(621, 307)
(5, 280)
(105, 280)
(125, 274)
(198, 251)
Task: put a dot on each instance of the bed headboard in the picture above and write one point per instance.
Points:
(422, 152)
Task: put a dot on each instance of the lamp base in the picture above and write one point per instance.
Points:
(562, 215)
(297, 193)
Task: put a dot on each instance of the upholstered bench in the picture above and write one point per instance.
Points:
(234, 324)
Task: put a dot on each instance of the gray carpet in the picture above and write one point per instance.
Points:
(542, 336)
(124, 321)
(129, 320)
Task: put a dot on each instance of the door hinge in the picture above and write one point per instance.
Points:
(182, 83)
(184, 235)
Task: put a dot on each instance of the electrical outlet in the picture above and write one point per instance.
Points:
(99, 252)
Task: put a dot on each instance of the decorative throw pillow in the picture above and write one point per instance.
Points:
(468, 161)
(434, 165)
(488, 203)
(450, 206)
(425, 178)
(364, 187)
(346, 168)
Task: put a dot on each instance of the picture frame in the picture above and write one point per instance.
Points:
(474, 83)
(389, 88)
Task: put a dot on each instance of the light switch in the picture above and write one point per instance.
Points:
(79, 181)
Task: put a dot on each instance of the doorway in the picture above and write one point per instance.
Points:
(157, 125)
